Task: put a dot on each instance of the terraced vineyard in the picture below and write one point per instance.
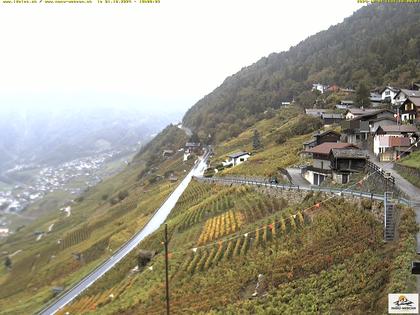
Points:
(87, 304)
(240, 233)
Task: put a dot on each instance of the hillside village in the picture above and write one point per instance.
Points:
(276, 194)
(354, 135)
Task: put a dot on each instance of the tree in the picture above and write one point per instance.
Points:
(8, 262)
(256, 140)
(122, 194)
(362, 95)
(194, 138)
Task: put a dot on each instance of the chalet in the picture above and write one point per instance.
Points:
(333, 88)
(365, 122)
(345, 104)
(403, 94)
(409, 111)
(4, 232)
(393, 141)
(345, 162)
(173, 178)
(381, 121)
(331, 118)
(236, 158)
(321, 161)
(355, 112)
(319, 87)
(192, 147)
(388, 93)
(375, 99)
(316, 112)
(167, 153)
(321, 137)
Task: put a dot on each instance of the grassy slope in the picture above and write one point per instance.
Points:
(339, 249)
(412, 161)
(95, 228)
(334, 262)
(268, 160)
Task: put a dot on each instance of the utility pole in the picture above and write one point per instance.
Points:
(167, 269)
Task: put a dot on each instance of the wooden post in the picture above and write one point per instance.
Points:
(166, 269)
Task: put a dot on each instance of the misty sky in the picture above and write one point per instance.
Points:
(158, 56)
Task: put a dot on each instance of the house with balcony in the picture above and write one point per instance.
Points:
(346, 161)
(403, 94)
(409, 111)
(394, 141)
(388, 94)
(321, 137)
(320, 168)
(358, 129)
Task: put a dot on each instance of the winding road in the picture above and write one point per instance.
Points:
(156, 220)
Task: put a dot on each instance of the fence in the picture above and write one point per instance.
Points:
(339, 192)
(373, 168)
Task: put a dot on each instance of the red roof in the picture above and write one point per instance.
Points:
(326, 147)
(399, 142)
(399, 128)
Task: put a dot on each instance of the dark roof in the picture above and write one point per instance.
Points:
(414, 100)
(320, 134)
(316, 111)
(362, 111)
(395, 90)
(237, 154)
(326, 147)
(411, 93)
(328, 115)
(349, 153)
(373, 113)
(384, 118)
(397, 128)
(192, 144)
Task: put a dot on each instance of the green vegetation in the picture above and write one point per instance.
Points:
(313, 260)
(57, 249)
(379, 44)
(281, 135)
(413, 160)
(409, 168)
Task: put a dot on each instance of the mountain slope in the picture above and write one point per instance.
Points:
(378, 44)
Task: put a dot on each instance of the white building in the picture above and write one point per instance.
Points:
(403, 94)
(388, 94)
(236, 158)
(393, 140)
(319, 87)
(4, 232)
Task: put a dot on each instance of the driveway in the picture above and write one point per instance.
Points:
(297, 178)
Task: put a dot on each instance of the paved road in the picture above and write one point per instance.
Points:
(412, 191)
(297, 178)
(158, 218)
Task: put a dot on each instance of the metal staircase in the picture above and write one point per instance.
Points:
(389, 217)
